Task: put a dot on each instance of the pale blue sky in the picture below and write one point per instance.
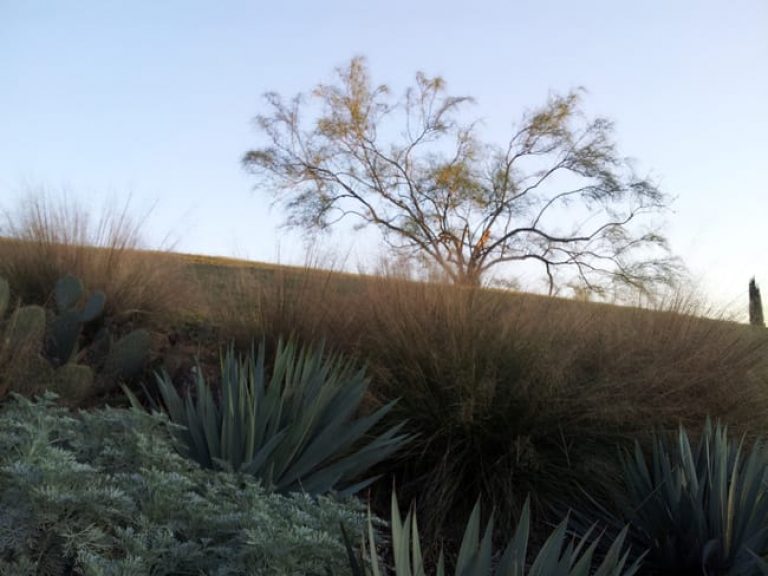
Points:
(155, 98)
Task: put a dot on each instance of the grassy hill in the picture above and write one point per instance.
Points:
(506, 394)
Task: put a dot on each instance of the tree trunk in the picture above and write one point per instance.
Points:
(755, 305)
(470, 277)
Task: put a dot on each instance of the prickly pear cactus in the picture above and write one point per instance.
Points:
(63, 337)
(100, 347)
(50, 350)
(73, 383)
(37, 375)
(94, 307)
(67, 292)
(21, 341)
(129, 355)
(26, 328)
(66, 328)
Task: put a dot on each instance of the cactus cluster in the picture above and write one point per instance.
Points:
(56, 347)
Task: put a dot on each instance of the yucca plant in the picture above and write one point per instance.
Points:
(295, 429)
(700, 509)
(558, 556)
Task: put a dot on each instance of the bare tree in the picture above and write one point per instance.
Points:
(557, 193)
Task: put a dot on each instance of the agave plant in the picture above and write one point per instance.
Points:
(295, 428)
(558, 556)
(700, 509)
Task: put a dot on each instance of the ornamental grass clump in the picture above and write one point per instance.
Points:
(486, 423)
(105, 493)
(512, 395)
(294, 427)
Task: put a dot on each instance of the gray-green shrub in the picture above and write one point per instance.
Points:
(104, 492)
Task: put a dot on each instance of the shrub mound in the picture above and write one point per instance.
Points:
(105, 492)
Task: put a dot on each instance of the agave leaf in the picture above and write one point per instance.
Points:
(334, 439)
(401, 536)
(267, 413)
(482, 564)
(344, 392)
(132, 399)
(469, 542)
(357, 462)
(171, 399)
(583, 560)
(258, 460)
(441, 564)
(417, 559)
(319, 482)
(298, 434)
(513, 560)
(197, 433)
(356, 488)
(614, 561)
(547, 560)
(208, 415)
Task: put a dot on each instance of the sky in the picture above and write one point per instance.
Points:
(154, 100)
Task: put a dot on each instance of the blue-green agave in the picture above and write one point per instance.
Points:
(560, 555)
(294, 428)
(701, 508)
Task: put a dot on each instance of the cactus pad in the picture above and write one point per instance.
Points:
(68, 292)
(73, 383)
(129, 355)
(94, 307)
(26, 327)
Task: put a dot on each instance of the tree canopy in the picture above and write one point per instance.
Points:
(557, 193)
